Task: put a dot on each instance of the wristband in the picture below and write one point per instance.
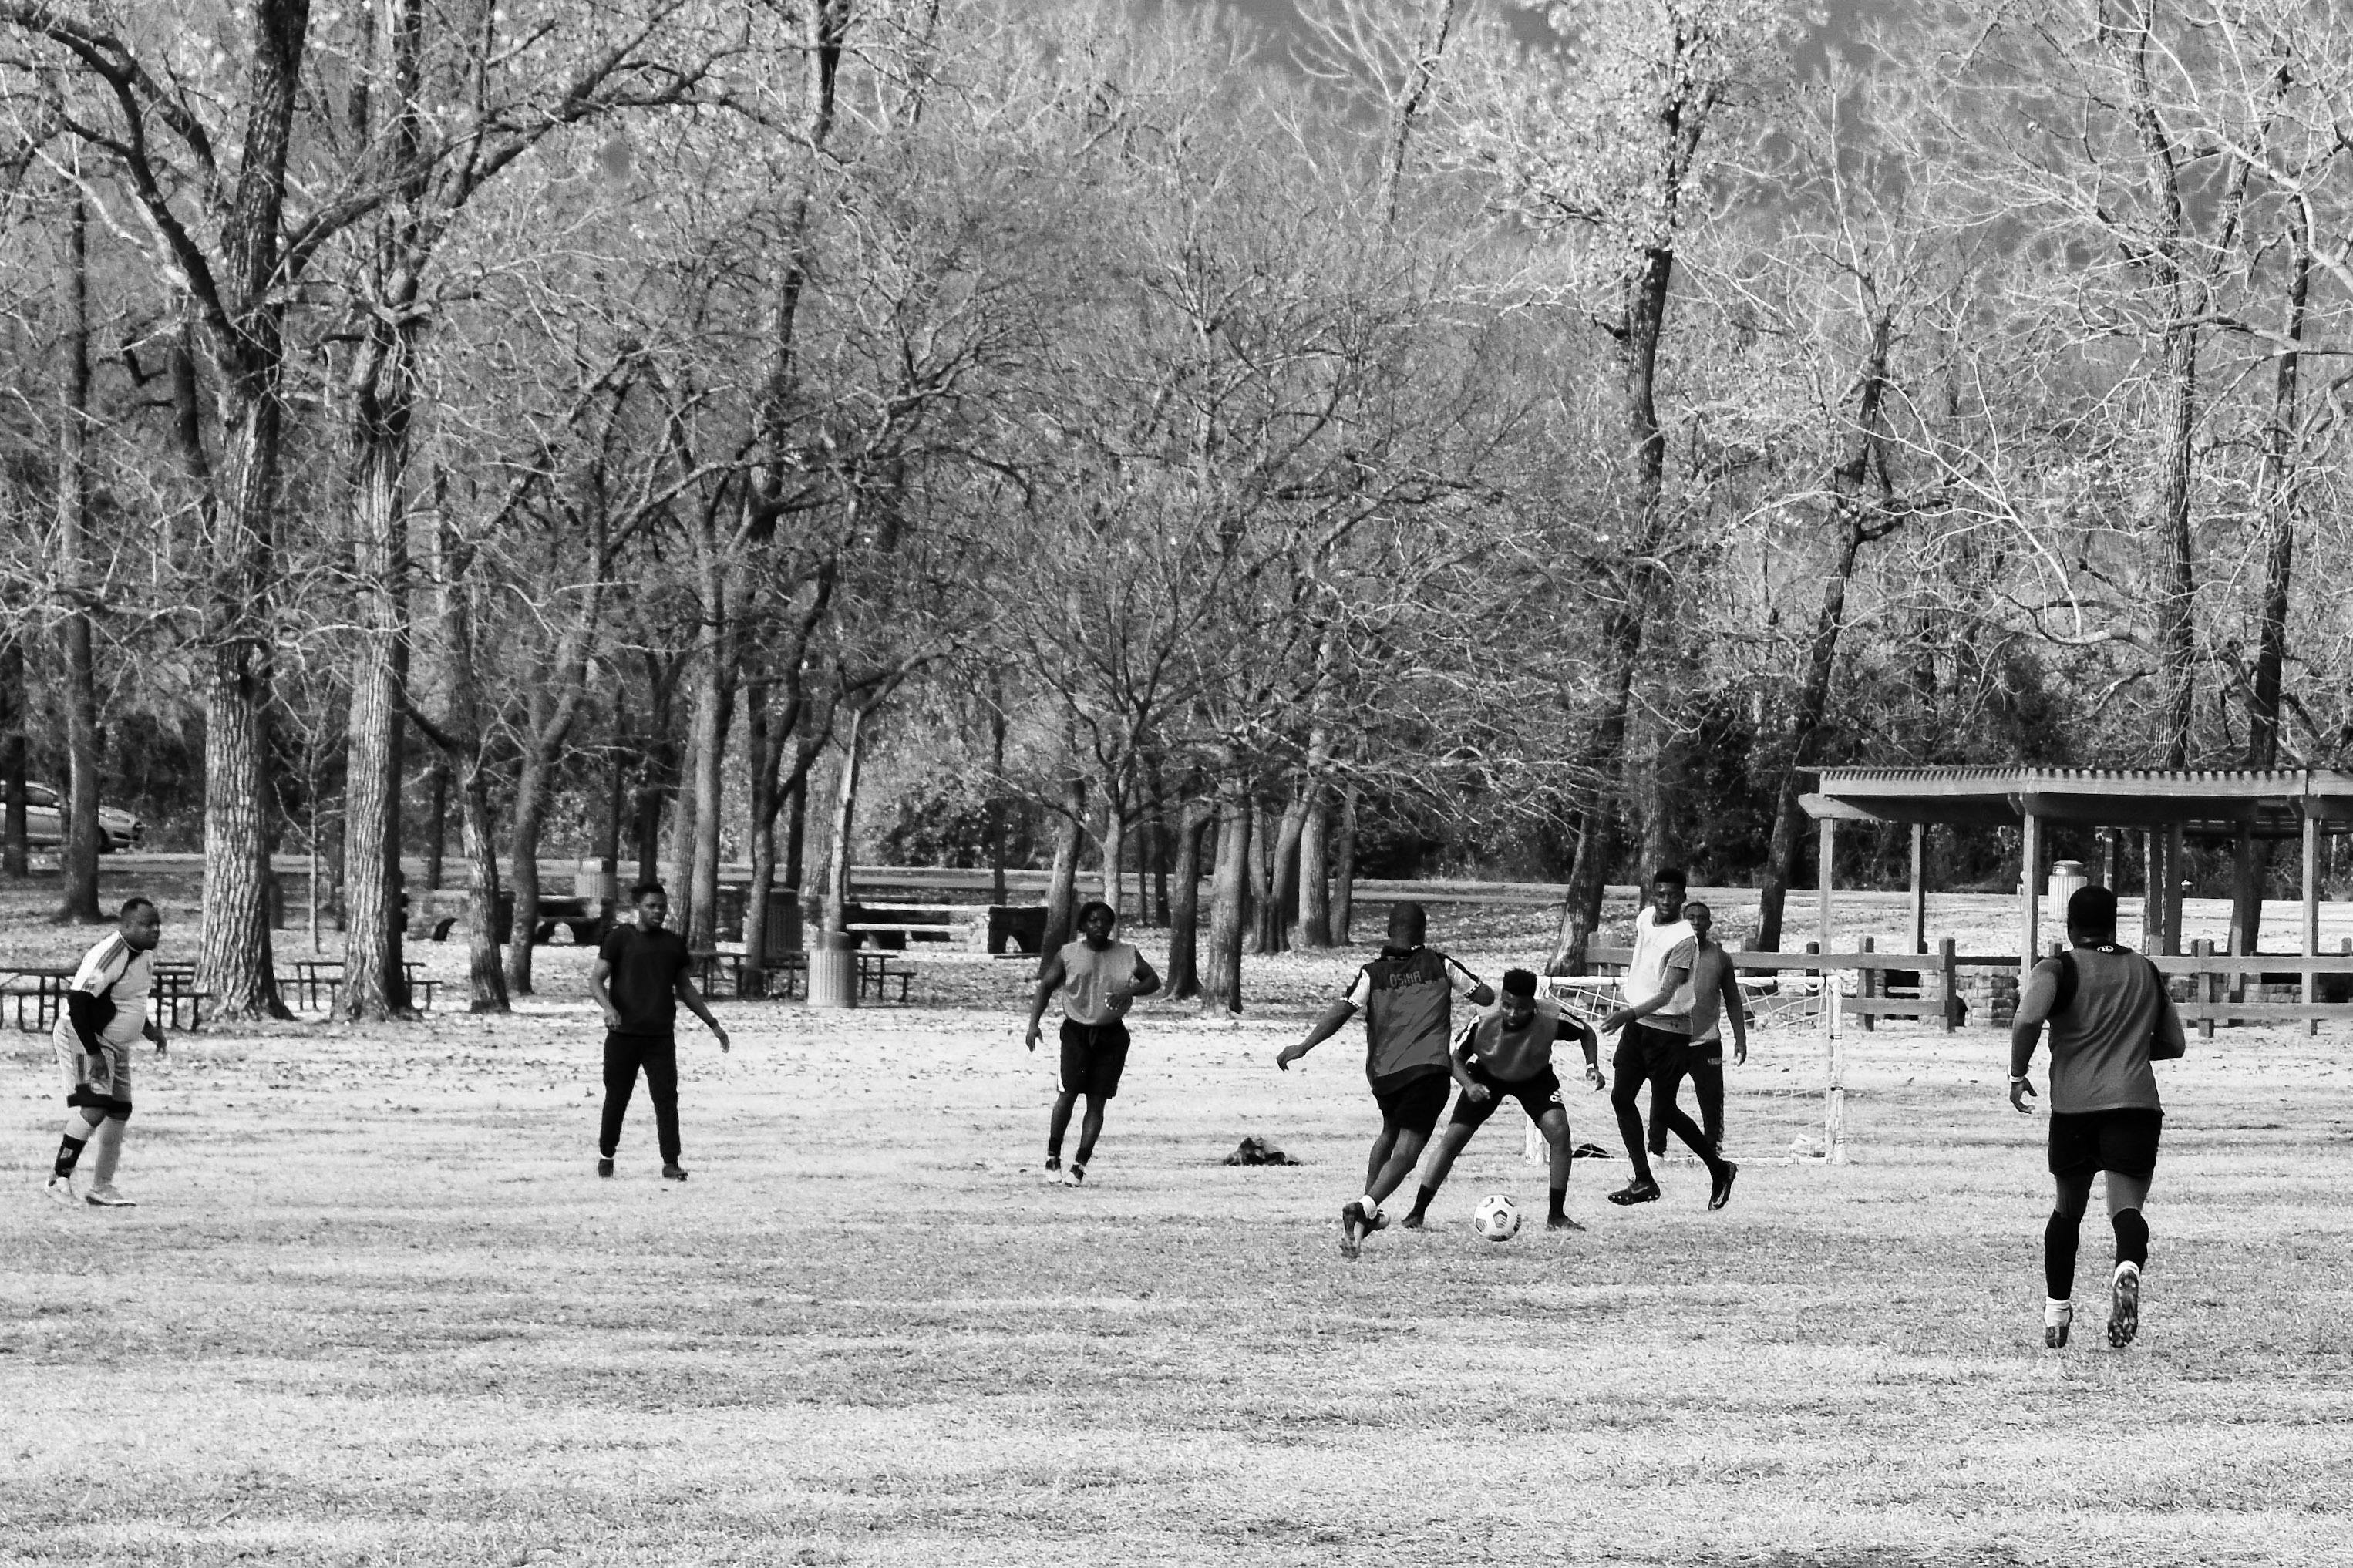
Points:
(2018, 1078)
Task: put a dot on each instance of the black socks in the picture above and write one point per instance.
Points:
(2132, 1237)
(70, 1150)
(2059, 1255)
(1560, 1204)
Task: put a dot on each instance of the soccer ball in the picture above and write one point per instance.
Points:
(1497, 1217)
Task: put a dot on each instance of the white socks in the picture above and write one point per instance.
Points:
(2057, 1312)
(1372, 1205)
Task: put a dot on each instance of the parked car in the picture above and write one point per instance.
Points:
(45, 822)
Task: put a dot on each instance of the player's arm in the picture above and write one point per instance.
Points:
(684, 989)
(1050, 975)
(2170, 1042)
(1457, 1062)
(1736, 1014)
(1142, 981)
(1327, 1024)
(87, 1013)
(600, 987)
(1673, 981)
(2034, 1009)
(154, 1031)
(1588, 1042)
(1469, 987)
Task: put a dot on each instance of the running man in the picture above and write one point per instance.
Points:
(2110, 1016)
(641, 974)
(1507, 1054)
(1655, 1039)
(105, 1014)
(1098, 979)
(1407, 996)
(1715, 997)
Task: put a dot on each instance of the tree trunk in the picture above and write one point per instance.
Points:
(1314, 868)
(1343, 871)
(16, 856)
(437, 821)
(1062, 882)
(1288, 838)
(1266, 932)
(1221, 981)
(1184, 912)
(998, 724)
(1114, 845)
(79, 594)
(845, 807)
(2176, 585)
(523, 869)
(710, 762)
(488, 980)
(797, 834)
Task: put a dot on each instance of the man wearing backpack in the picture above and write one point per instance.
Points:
(2110, 1016)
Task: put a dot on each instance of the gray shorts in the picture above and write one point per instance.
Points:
(82, 1090)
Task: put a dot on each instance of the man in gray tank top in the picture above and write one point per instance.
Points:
(1098, 978)
(2109, 1017)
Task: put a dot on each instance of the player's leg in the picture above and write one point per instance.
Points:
(1554, 1125)
(1058, 1127)
(1468, 1118)
(620, 1083)
(1705, 1071)
(2072, 1192)
(1668, 1068)
(2128, 1156)
(1070, 1082)
(85, 1112)
(1629, 1070)
(1106, 1060)
(661, 1088)
(1666, 1079)
(106, 1148)
(1407, 1114)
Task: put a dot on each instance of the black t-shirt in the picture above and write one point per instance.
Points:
(645, 966)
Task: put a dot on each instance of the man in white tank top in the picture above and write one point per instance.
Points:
(1098, 978)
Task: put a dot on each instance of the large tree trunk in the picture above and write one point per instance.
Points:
(1289, 835)
(437, 821)
(1221, 980)
(708, 783)
(487, 980)
(16, 856)
(1114, 847)
(2177, 578)
(523, 869)
(1343, 871)
(1184, 912)
(1315, 867)
(1265, 915)
(80, 595)
(845, 807)
(1062, 882)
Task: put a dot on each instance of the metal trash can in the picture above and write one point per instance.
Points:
(2066, 876)
(833, 971)
(598, 882)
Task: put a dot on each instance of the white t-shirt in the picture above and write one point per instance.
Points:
(113, 970)
(1088, 977)
(1659, 946)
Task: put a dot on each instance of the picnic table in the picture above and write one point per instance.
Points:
(38, 989)
(314, 975)
(876, 971)
(174, 991)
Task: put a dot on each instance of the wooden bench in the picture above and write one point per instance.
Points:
(894, 926)
(44, 996)
(877, 970)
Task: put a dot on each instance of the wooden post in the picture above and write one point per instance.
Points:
(2175, 859)
(1952, 973)
(1919, 887)
(1867, 983)
(2311, 947)
(2152, 895)
(2202, 987)
(2112, 855)
(2029, 899)
(1826, 841)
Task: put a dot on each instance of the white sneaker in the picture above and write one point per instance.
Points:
(2058, 1317)
(106, 1197)
(61, 1189)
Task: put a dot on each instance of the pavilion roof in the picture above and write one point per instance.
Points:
(2204, 801)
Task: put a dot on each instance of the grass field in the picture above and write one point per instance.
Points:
(376, 1308)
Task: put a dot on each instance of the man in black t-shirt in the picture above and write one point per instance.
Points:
(640, 976)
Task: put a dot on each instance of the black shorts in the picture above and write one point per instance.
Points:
(1536, 1095)
(1094, 1056)
(1415, 1105)
(2124, 1141)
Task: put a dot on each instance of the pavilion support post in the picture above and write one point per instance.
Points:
(2152, 892)
(2029, 898)
(1866, 984)
(2310, 946)
(2176, 862)
(2112, 855)
(1919, 887)
(1826, 853)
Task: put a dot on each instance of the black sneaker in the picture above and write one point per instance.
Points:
(2124, 1305)
(1635, 1191)
(1078, 1174)
(1721, 1193)
(605, 1164)
(1354, 1225)
(673, 1173)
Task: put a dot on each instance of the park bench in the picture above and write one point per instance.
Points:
(895, 926)
(315, 977)
(37, 990)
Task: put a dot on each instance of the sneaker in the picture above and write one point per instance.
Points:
(604, 1164)
(1721, 1193)
(1354, 1227)
(1635, 1191)
(2058, 1317)
(1378, 1220)
(1053, 1167)
(673, 1173)
(105, 1198)
(2123, 1306)
(1078, 1174)
(59, 1189)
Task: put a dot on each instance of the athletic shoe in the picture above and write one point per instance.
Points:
(1721, 1193)
(673, 1173)
(1053, 1167)
(1354, 1227)
(1078, 1174)
(2124, 1305)
(61, 1189)
(1380, 1221)
(1635, 1191)
(105, 1198)
(604, 1165)
(2057, 1318)
(1561, 1222)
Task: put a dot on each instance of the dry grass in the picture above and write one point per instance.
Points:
(376, 1309)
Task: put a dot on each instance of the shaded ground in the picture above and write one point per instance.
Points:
(376, 1309)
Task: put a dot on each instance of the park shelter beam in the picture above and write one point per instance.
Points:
(2311, 933)
(1825, 854)
(1920, 888)
(2030, 894)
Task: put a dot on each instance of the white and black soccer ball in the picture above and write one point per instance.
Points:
(1497, 1217)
